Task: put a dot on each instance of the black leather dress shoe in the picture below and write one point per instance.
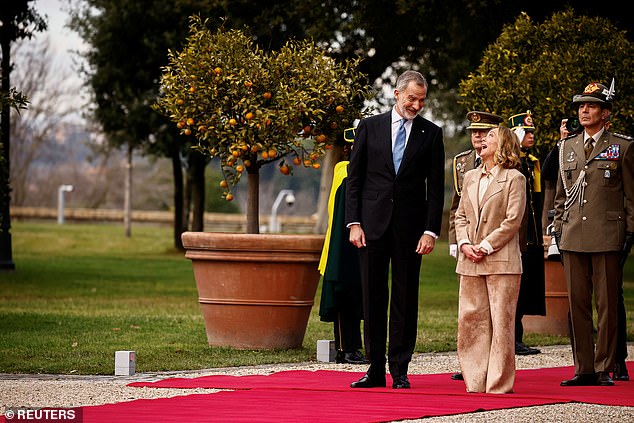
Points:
(351, 358)
(620, 372)
(400, 382)
(457, 376)
(367, 382)
(523, 349)
(604, 379)
(581, 380)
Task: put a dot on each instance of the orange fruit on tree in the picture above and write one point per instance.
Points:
(202, 128)
(187, 131)
(180, 124)
(190, 121)
(248, 116)
(297, 161)
(233, 122)
(224, 184)
(180, 101)
(229, 197)
(247, 163)
(254, 148)
(320, 138)
(265, 155)
(217, 71)
(248, 84)
(339, 109)
(267, 95)
(272, 153)
(308, 163)
(240, 168)
(192, 89)
(316, 165)
(235, 153)
(285, 169)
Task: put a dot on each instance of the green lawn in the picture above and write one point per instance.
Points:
(80, 292)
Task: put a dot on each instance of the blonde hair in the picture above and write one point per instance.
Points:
(507, 154)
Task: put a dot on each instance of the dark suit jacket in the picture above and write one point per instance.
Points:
(376, 196)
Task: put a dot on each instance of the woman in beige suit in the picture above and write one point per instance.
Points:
(487, 222)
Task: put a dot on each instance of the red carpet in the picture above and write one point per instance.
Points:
(325, 396)
(541, 384)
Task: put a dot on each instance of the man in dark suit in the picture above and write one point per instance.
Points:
(394, 207)
(594, 223)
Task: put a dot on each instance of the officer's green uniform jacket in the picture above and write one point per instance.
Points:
(594, 204)
(462, 163)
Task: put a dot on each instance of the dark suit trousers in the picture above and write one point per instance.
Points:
(585, 273)
(399, 250)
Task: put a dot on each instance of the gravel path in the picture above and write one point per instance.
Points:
(18, 390)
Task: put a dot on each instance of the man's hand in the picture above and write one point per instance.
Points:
(357, 236)
(563, 131)
(425, 244)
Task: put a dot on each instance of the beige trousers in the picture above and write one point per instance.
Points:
(486, 332)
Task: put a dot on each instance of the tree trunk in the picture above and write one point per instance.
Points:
(177, 172)
(127, 198)
(199, 162)
(253, 200)
(6, 254)
(333, 156)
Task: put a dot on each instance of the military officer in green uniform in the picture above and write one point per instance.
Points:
(480, 123)
(532, 296)
(594, 225)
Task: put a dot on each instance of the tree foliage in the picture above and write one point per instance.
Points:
(249, 107)
(541, 66)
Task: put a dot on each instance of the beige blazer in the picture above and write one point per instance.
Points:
(496, 219)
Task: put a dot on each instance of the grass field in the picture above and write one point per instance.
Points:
(80, 292)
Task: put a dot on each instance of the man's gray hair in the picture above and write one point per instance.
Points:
(406, 77)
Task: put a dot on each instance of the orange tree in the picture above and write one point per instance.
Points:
(249, 108)
(541, 66)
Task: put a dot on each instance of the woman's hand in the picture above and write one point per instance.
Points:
(473, 253)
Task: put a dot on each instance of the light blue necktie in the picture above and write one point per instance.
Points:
(399, 146)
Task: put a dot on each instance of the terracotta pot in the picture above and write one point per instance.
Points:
(556, 320)
(255, 291)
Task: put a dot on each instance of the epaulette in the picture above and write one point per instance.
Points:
(464, 153)
(625, 137)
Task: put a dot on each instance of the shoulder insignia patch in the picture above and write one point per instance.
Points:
(464, 153)
(625, 137)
